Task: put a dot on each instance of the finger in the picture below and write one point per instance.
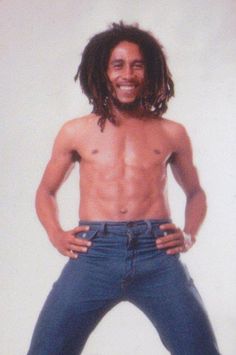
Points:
(80, 242)
(173, 251)
(174, 243)
(79, 249)
(80, 229)
(69, 253)
(166, 226)
(170, 237)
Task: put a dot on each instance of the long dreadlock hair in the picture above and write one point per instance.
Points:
(94, 81)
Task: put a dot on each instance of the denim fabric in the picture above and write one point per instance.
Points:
(123, 264)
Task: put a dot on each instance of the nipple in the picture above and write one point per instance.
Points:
(157, 151)
(94, 151)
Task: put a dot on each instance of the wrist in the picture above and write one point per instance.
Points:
(54, 232)
(188, 240)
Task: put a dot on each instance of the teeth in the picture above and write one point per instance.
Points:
(127, 87)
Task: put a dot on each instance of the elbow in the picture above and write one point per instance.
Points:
(42, 193)
(38, 196)
(199, 195)
(204, 198)
(198, 202)
(38, 199)
(204, 201)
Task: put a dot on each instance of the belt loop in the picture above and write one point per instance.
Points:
(102, 227)
(149, 225)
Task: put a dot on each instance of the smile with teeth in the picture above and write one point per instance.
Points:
(127, 87)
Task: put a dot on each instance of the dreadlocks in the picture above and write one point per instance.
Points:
(95, 83)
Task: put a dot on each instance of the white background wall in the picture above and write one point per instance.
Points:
(41, 45)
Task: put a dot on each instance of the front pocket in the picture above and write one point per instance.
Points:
(88, 235)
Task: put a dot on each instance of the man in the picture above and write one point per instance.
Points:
(126, 247)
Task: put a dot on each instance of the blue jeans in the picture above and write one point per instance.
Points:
(123, 264)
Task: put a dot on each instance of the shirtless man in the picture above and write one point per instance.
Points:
(126, 247)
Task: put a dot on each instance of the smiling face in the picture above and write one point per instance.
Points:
(126, 73)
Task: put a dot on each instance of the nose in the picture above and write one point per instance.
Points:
(127, 72)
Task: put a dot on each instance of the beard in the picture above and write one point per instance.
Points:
(126, 106)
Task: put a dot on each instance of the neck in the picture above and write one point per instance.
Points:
(128, 116)
(127, 112)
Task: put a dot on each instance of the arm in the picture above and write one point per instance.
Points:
(58, 168)
(186, 175)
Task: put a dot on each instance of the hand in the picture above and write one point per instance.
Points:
(174, 242)
(69, 245)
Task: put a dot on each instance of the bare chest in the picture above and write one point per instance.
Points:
(133, 147)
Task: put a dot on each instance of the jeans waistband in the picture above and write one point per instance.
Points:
(104, 226)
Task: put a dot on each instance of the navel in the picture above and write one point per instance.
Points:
(123, 210)
(157, 151)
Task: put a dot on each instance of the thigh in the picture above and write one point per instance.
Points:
(171, 301)
(76, 303)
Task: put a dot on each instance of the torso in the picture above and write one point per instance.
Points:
(123, 170)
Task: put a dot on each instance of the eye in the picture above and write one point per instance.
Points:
(117, 66)
(138, 65)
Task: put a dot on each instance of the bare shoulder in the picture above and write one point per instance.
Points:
(76, 127)
(173, 127)
(176, 132)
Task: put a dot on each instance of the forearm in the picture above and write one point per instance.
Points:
(47, 211)
(195, 212)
